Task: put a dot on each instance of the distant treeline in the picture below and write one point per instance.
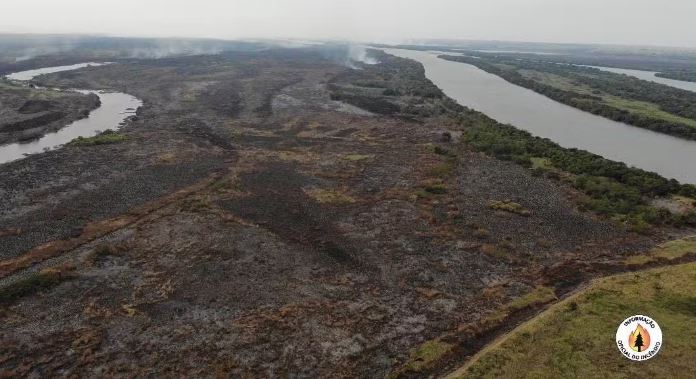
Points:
(672, 100)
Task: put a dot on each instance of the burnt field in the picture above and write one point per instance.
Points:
(273, 214)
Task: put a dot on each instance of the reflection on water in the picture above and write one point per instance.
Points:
(470, 86)
(114, 109)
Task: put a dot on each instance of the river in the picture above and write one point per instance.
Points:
(650, 76)
(472, 87)
(114, 109)
(31, 74)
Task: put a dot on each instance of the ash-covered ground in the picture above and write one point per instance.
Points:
(276, 214)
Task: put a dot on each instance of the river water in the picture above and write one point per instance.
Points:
(114, 109)
(472, 87)
(650, 76)
(31, 74)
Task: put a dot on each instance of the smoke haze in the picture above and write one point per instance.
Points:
(634, 22)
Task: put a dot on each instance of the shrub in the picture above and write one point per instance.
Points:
(442, 169)
(31, 284)
(107, 137)
(436, 188)
(357, 157)
(509, 206)
(442, 151)
(330, 196)
(481, 233)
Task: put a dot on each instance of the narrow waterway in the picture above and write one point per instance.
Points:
(31, 74)
(114, 109)
(650, 76)
(472, 87)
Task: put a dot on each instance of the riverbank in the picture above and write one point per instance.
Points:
(29, 113)
(600, 91)
(654, 76)
(49, 127)
(612, 189)
(565, 125)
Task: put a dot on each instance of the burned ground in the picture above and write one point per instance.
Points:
(28, 113)
(306, 237)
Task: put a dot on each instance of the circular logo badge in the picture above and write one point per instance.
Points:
(639, 338)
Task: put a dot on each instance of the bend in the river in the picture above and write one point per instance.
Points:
(114, 109)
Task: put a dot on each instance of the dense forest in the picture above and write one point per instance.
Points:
(671, 100)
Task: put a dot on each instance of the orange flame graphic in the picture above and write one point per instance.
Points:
(639, 339)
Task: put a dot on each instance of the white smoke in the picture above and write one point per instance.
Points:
(287, 43)
(359, 54)
(26, 53)
(169, 49)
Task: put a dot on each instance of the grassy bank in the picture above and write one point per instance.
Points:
(575, 338)
(105, 138)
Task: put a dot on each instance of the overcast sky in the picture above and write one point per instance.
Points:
(636, 22)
